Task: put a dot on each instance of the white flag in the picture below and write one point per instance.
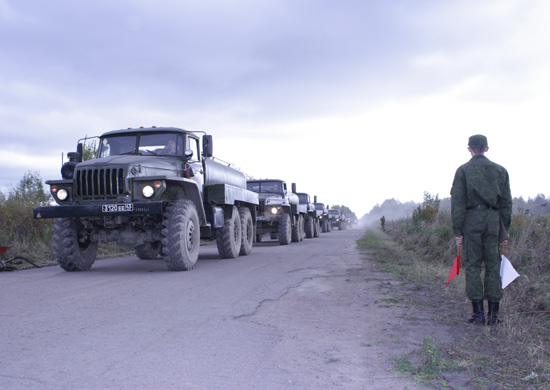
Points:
(507, 272)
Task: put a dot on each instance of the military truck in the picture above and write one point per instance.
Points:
(336, 219)
(153, 190)
(322, 214)
(311, 222)
(280, 213)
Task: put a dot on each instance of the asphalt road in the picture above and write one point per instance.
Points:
(301, 316)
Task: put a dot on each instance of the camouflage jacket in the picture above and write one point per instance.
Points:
(480, 182)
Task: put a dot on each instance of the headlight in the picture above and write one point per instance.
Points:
(148, 191)
(62, 194)
(274, 210)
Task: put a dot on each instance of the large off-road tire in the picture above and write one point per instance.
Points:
(308, 227)
(274, 236)
(229, 238)
(71, 254)
(247, 229)
(149, 250)
(340, 226)
(324, 228)
(285, 230)
(298, 229)
(181, 235)
(316, 228)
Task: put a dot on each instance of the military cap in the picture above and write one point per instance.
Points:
(477, 141)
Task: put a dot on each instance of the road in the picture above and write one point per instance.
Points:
(302, 316)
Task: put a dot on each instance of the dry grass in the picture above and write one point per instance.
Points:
(519, 352)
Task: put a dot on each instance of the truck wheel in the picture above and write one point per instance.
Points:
(273, 236)
(229, 237)
(302, 225)
(323, 226)
(149, 250)
(340, 226)
(309, 228)
(181, 235)
(316, 228)
(258, 237)
(72, 254)
(247, 230)
(285, 230)
(298, 230)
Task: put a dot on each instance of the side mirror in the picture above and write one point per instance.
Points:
(314, 198)
(79, 150)
(294, 187)
(207, 147)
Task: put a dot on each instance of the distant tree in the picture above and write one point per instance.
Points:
(345, 210)
(391, 209)
(29, 191)
(89, 151)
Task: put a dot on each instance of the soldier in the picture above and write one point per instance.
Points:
(481, 202)
(383, 223)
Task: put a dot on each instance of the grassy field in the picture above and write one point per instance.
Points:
(514, 355)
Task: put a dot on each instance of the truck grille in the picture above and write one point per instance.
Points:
(99, 183)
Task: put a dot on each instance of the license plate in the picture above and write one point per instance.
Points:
(116, 208)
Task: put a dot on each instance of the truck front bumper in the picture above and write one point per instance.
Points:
(99, 210)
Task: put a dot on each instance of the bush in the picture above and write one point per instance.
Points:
(427, 212)
(26, 236)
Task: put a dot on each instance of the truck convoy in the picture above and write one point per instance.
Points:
(153, 189)
(280, 213)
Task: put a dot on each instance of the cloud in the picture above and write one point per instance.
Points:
(355, 101)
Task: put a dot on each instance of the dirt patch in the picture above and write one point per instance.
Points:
(348, 326)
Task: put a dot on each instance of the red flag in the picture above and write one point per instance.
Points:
(456, 266)
(3, 249)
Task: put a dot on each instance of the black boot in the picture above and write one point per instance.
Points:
(478, 317)
(492, 313)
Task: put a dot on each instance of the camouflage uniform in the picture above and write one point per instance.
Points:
(480, 200)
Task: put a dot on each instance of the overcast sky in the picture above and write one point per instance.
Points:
(356, 101)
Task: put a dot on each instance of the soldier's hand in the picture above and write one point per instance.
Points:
(459, 240)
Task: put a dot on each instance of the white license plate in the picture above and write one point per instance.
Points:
(114, 208)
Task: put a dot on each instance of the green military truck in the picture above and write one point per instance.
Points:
(322, 214)
(337, 219)
(152, 189)
(311, 223)
(280, 213)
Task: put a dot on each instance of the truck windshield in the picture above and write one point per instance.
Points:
(152, 144)
(319, 206)
(265, 186)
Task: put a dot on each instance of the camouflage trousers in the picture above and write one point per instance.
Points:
(481, 255)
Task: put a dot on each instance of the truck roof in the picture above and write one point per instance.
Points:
(147, 129)
(263, 180)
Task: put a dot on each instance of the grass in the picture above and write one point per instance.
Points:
(432, 365)
(516, 355)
